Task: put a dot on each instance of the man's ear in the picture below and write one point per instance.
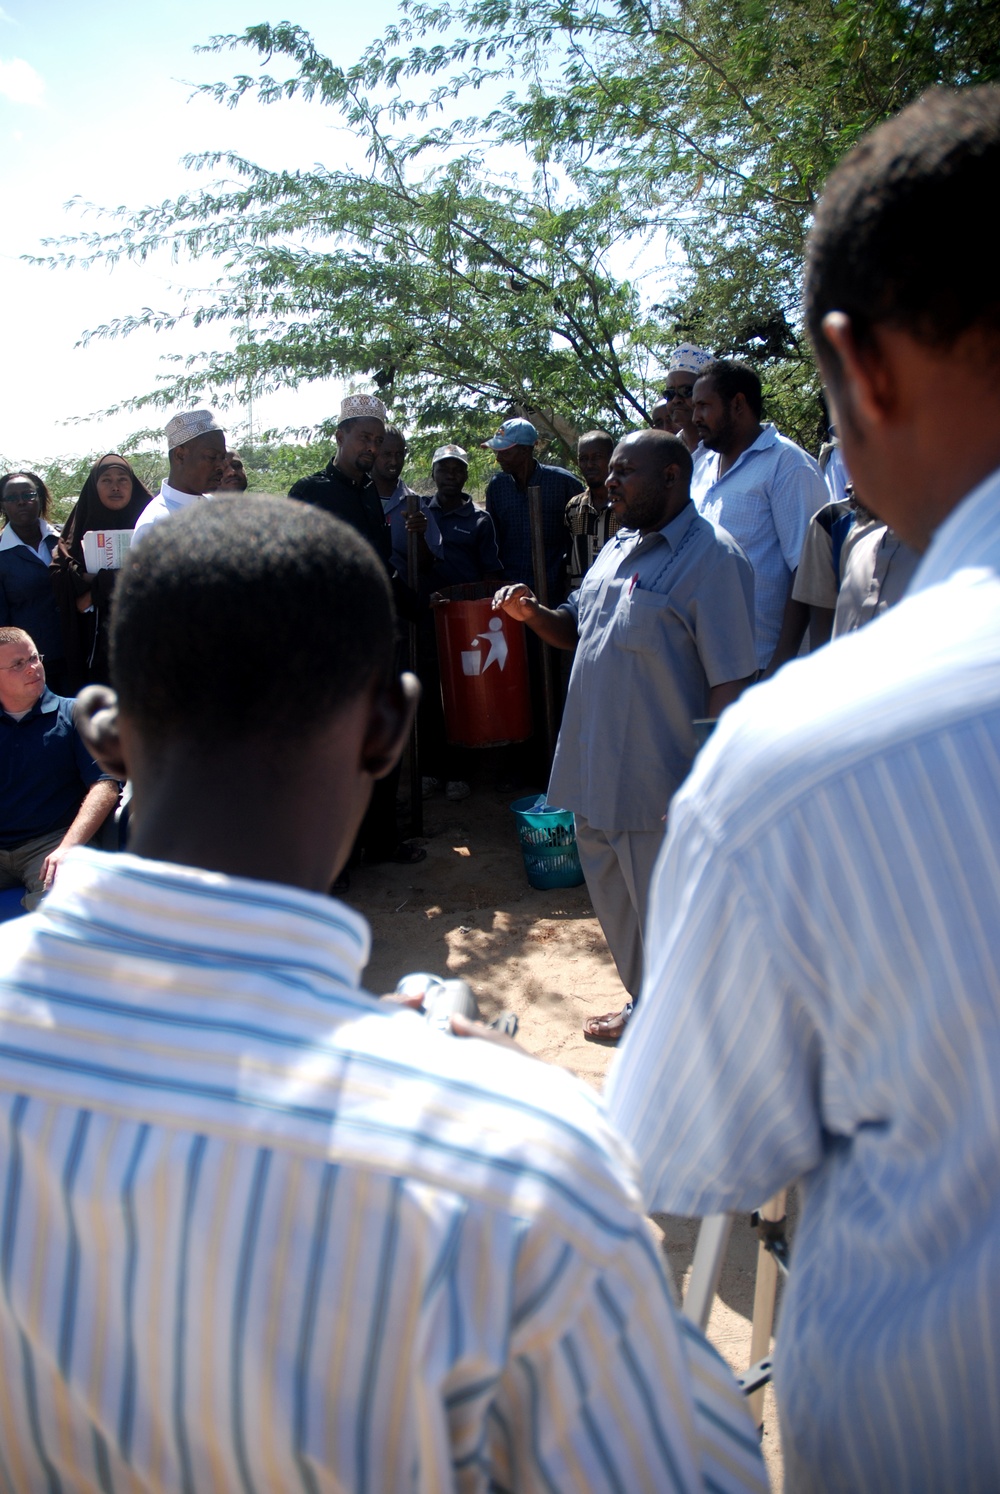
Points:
(393, 708)
(865, 390)
(95, 715)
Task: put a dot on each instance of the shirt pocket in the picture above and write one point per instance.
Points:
(642, 621)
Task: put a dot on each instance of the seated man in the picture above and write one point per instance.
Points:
(260, 1229)
(52, 793)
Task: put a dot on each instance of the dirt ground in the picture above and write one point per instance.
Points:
(469, 911)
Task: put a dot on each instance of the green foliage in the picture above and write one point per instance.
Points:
(475, 268)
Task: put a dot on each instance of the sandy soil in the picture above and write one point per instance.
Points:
(469, 911)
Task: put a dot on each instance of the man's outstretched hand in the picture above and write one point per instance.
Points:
(518, 601)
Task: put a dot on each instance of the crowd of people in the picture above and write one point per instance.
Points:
(260, 1229)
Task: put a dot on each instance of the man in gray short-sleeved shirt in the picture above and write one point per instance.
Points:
(662, 625)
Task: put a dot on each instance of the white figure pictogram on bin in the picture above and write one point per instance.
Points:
(472, 659)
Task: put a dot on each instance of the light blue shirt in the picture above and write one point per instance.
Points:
(765, 501)
(662, 618)
(259, 1231)
(822, 1001)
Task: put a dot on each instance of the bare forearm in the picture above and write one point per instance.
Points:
(556, 627)
(553, 626)
(99, 801)
(720, 696)
(794, 622)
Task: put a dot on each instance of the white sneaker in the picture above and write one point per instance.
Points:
(457, 790)
(430, 786)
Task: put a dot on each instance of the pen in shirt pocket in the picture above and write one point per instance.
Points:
(633, 583)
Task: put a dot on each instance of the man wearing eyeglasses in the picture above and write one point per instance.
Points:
(52, 793)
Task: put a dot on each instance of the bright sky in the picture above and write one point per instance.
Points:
(95, 102)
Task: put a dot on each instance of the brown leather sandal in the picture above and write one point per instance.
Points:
(609, 1028)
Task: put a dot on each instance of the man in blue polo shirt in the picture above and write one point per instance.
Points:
(52, 793)
(459, 540)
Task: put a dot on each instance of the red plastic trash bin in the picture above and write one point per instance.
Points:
(484, 670)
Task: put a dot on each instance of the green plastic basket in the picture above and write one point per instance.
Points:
(548, 844)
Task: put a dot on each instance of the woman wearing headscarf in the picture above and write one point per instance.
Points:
(111, 498)
(27, 541)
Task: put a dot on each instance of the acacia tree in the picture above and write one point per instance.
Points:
(698, 130)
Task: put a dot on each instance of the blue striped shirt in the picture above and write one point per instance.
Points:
(261, 1232)
(822, 1001)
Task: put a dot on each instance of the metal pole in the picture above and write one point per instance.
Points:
(706, 1267)
(765, 1293)
(542, 593)
(412, 576)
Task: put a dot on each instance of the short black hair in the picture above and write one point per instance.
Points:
(596, 438)
(394, 430)
(904, 234)
(44, 496)
(731, 376)
(248, 617)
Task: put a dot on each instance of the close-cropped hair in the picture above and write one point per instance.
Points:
(671, 451)
(14, 635)
(904, 235)
(731, 377)
(392, 430)
(248, 617)
(596, 438)
(44, 496)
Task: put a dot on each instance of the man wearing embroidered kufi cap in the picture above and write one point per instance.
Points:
(686, 363)
(345, 489)
(196, 446)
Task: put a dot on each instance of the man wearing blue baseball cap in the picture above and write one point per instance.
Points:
(507, 505)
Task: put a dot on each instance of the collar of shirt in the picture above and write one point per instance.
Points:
(146, 902)
(174, 498)
(673, 532)
(767, 438)
(969, 536)
(336, 474)
(8, 540)
(465, 508)
(396, 499)
(43, 706)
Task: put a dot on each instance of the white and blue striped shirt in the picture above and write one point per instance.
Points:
(822, 1001)
(261, 1232)
(765, 501)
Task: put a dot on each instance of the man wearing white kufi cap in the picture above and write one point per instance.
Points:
(686, 363)
(345, 488)
(196, 445)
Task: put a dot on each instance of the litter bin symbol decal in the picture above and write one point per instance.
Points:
(484, 705)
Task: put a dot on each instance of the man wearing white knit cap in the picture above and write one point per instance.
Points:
(196, 445)
(686, 363)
